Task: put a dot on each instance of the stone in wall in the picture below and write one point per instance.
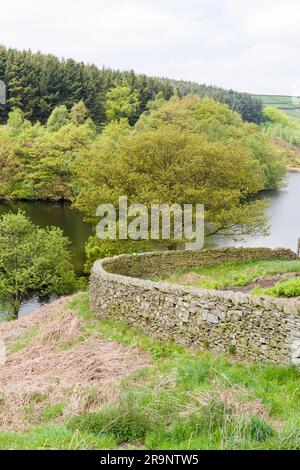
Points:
(258, 328)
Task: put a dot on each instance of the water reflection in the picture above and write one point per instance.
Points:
(46, 214)
(61, 215)
(284, 214)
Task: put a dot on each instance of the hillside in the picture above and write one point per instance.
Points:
(293, 153)
(284, 103)
(36, 83)
(249, 107)
(71, 381)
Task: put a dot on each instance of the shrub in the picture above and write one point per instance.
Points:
(126, 421)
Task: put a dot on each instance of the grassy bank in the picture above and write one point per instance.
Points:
(180, 399)
(256, 274)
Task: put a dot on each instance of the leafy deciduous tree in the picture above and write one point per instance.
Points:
(58, 118)
(32, 261)
(167, 165)
(78, 113)
(122, 102)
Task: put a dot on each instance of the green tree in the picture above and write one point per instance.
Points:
(78, 113)
(48, 160)
(58, 118)
(10, 169)
(122, 102)
(32, 261)
(168, 165)
(113, 132)
(16, 122)
(275, 116)
(219, 124)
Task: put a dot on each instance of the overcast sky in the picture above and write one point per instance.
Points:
(248, 45)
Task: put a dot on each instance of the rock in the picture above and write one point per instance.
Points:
(262, 328)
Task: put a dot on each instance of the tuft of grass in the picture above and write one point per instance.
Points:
(125, 421)
(214, 428)
(37, 397)
(52, 412)
(80, 305)
(24, 341)
(232, 350)
(256, 429)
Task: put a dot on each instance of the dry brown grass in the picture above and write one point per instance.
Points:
(235, 399)
(59, 365)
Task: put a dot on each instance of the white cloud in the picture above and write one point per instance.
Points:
(233, 43)
(267, 19)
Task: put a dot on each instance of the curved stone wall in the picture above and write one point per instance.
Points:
(256, 328)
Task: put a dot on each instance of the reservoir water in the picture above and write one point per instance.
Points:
(284, 217)
(283, 212)
(61, 215)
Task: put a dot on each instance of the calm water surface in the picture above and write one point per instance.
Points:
(284, 213)
(61, 215)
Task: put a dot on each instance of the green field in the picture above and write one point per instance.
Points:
(284, 103)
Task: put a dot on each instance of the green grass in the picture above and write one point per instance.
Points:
(179, 402)
(54, 436)
(284, 103)
(184, 400)
(23, 341)
(80, 304)
(234, 274)
(289, 288)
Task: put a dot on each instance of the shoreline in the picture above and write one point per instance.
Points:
(293, 169)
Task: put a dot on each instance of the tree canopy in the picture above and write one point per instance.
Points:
(37, 83)
(32, 261)
(188, 150)
(181, 150)
(122, 102)
(219, 124)
(58, 118)
(250, 108)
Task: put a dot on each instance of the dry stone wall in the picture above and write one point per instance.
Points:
(256, 328)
